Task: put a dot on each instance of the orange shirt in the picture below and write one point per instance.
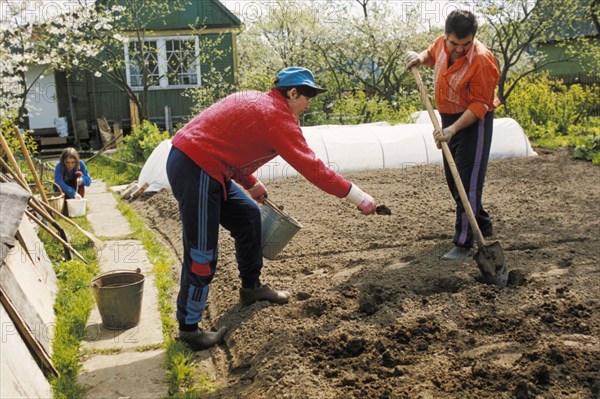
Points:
(469, 83)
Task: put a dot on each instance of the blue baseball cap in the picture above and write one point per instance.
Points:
(298, 76)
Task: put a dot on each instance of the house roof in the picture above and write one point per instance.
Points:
(196, 13)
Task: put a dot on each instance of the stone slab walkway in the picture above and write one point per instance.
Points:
(122, 363)
(102, 212)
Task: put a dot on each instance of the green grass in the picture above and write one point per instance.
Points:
(113, 171)
(73, 305)
(582, 140)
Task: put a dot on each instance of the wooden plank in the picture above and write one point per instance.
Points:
(53, 140)
(37, 351)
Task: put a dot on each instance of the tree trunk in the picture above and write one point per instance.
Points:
(595, 5)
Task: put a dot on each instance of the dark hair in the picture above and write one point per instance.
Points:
(461, 23)
(306, 91)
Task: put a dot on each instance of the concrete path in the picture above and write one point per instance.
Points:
(102, 212)
(123, 363)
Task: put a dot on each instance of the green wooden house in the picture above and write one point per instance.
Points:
(82, 98)
(580, 69)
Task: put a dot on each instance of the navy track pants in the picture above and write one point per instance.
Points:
(202, 209)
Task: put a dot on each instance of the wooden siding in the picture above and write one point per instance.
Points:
(98, 97)
(227, 61)
(554, 52)
(180, 105)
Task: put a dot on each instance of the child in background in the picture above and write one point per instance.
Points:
(71, 174)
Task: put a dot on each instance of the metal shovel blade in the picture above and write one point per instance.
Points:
(492, 263)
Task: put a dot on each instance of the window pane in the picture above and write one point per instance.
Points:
(181, 62)
(143, 55)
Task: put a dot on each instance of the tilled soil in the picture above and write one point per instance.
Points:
(375, 313)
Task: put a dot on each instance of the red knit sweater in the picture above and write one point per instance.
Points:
(242, 132)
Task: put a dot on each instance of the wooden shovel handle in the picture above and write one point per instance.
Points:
(450, 160)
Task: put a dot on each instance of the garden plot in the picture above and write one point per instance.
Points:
(374, 313)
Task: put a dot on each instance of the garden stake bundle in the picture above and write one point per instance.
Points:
(37, 205)
(45, 204)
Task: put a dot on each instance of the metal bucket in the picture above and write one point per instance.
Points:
(119, 294)
(278, 228)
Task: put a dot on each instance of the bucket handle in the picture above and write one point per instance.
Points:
(276, 208)
(108, 273)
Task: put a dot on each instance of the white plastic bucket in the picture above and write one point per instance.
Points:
(76, 207)
(278, 228)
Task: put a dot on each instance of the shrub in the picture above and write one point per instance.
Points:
(546, 107)
(590, 150)
(7, 127)
(356, 108)
(142, 141)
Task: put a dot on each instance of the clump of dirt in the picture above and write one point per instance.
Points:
(376, 314)
(383, 210)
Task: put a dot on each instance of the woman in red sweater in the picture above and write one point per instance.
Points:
(230, 141)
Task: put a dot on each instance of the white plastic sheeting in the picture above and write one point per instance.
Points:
(154, 171)
(363, 147)
(423, 117)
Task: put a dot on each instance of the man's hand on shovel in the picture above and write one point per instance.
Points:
(412, 59)
(443, 135)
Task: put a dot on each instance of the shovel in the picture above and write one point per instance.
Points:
(489, 256)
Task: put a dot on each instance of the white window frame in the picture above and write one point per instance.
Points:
(162, 63)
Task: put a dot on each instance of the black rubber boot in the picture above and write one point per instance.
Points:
(263, 293)
(199, 340)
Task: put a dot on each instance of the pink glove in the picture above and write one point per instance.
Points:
(258, 192)
(367, 206)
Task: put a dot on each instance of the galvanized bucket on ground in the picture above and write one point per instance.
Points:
(119, 294)
(278, 228)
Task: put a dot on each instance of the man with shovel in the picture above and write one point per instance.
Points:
(466, 75)
(230, 141)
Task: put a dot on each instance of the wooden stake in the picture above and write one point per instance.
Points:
(36, 178)
(11, 158)
(102, 150)
(56, 236)
(14, 175)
